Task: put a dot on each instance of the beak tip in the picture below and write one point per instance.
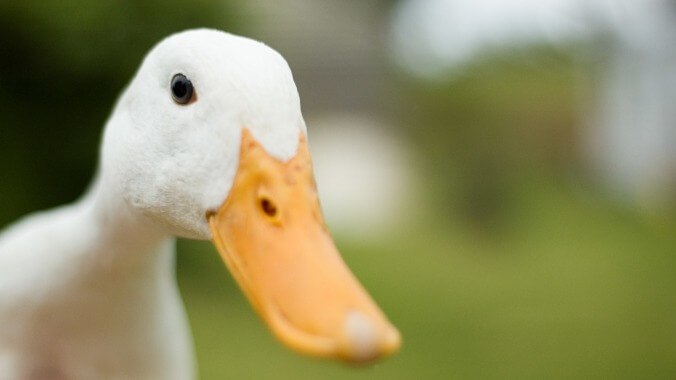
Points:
(367, 340)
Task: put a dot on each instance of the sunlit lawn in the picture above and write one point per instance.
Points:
(570, 288)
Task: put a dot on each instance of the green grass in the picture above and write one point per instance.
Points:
(571, 289)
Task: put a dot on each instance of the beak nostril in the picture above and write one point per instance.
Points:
(268, 207)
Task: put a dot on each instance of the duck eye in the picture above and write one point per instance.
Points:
(181, 89)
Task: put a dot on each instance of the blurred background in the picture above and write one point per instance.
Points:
(500, 175)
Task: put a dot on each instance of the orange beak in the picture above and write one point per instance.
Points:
(271, 235)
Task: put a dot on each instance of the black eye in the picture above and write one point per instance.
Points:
(181, 89)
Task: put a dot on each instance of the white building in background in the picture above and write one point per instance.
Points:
(365, 175)
(630, 138)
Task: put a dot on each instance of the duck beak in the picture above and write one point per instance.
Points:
(271, 235)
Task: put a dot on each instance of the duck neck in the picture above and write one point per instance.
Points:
(130, 237)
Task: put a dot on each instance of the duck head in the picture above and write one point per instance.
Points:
(208, 142)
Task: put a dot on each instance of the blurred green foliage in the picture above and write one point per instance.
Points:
(507, 117)
(512, 270)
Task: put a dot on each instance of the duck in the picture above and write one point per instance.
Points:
(207, 142)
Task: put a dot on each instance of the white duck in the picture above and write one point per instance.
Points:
(207, 142)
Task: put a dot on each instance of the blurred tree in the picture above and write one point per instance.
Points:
(509, 117)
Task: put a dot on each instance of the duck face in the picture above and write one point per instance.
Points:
(174, 154)
(209, 142)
